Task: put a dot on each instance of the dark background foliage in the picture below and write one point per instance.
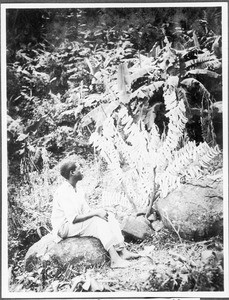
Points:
(46, 51)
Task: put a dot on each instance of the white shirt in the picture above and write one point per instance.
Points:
(67, 204)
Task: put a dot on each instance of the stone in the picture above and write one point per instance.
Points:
(152, 217)
(136, 227)
(157, 225)
(195, 211)
(87, 251)
(207, 255)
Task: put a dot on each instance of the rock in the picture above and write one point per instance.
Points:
(147, 251)
(195, 210)
(86, 251)
(212, 257)
(184, 270)
(152, 217)
(207, 255)
(136, 227)
(157, 225)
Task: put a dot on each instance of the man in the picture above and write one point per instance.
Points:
(72, 216)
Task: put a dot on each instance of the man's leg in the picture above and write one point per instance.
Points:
(116, 260)
(125, 254)
(119, 239)
(116, 230)
(100, 229)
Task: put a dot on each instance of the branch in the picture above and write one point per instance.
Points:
(128, 196)
(174, 228)
(152, 195)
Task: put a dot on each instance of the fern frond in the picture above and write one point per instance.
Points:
(213, 64)
(202, 72)
(189, 162)
(142, 66)
(177, 119)
(205, 60)
(99, 114)
(207, 154)
(147, 91)
(132, 153)
(154, 139)
(113, 198)
(191, 83)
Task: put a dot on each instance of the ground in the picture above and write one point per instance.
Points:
(166, 265)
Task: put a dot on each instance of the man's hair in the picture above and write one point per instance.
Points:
(66, 167)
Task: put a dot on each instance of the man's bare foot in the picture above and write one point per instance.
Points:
(125, 254)
(120, 264)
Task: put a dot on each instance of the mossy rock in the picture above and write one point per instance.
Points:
(87, 251)
(195, 211)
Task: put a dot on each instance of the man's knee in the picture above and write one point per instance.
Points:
(111, 216)
(99, 221)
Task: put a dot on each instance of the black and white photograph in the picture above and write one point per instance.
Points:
(114, 123)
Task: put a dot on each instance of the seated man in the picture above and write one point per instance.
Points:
(72, 216)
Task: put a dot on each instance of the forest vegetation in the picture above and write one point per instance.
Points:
(133, 94)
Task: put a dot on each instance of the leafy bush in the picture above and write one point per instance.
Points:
(81, 67)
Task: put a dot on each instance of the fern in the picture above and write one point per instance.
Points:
(140, 151)
(147, 91)
(204, 61)
(136, 178)
(176, 114)
(114, 197)
(188, 163)
(202, 72)
(132, 152)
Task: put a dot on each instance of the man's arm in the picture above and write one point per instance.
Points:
(101, 213)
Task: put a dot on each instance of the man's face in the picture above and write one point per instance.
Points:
(77, 174)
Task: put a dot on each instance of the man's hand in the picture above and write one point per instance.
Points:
(102, 213)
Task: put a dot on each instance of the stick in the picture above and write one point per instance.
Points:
(174, 228)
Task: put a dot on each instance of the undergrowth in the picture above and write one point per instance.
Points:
(167, 264)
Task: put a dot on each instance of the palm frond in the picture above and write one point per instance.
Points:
(203, 72)
(191, 83)
(146, 91)
(204, 61)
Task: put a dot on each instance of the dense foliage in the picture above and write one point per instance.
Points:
(61, 64)
(128, 84)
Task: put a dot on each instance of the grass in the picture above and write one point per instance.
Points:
(168, 266)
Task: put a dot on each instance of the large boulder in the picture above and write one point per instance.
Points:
(87, 251)
(194, 211)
